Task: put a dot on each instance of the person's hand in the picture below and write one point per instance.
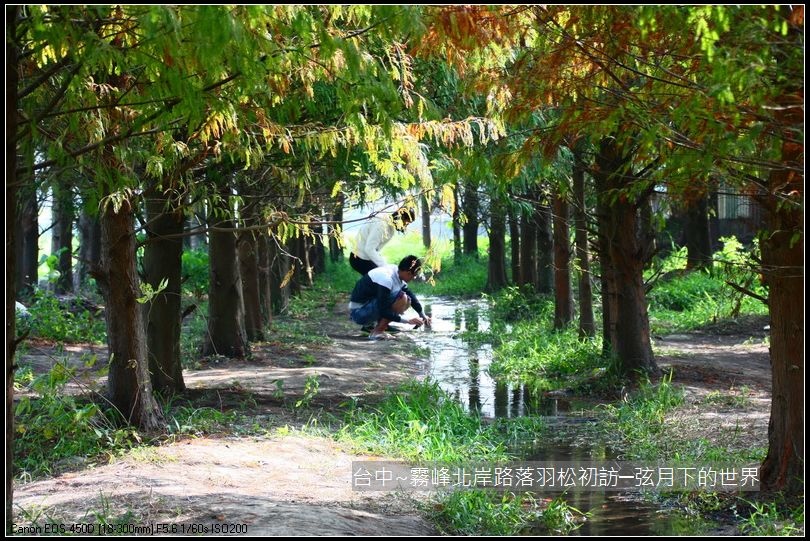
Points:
(427, 321)
(416, 322)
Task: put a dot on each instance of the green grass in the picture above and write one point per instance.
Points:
(478, 512)
(639, 420)
(771, 518)
(418, 422)
(52, 427)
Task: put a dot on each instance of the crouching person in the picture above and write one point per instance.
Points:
(382, 295)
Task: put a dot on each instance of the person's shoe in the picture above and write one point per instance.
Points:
(377, 336)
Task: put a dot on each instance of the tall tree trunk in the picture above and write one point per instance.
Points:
(27, 242)
(249, 271)
(128, 382)
(587, 327)
(456, 226)
(528, 249)
(514, 246)
(302, 275)
(62, 236)
(544, 280)
(607, 280)
(696, 229)
(632, 347)
(162, 260)
(426, 240)
(470, 227)
(714, 220)
(335, 246)
(265, 292)
(12, 79)
(89, 247)
(226, 308)
(280, 266)
(783, 265)
(496, 270)
(563, 301)
(317, 251)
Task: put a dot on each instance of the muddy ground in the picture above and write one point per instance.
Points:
(282, 481)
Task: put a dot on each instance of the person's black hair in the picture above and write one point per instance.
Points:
(406, 214)
(410, 263)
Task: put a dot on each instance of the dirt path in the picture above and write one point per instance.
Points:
(727, 382)
(282, 482)
(277, 484)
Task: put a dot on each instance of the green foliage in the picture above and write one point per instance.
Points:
(418, 421)
(63, 321)
(516, 304)
(529, 351)
(192, 421)
(194, 330)
(544, 359)
(195, 273)
(639, 420)
(773, 518)
(479, 512)
(464, 278)
(311, 387)
(692, 300)
(560, 518)
(54, 427)
(149, 293)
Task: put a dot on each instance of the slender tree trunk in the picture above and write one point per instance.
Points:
(335, 246)
(587, 327)
(607, 281)
(514, 246)
(317, 251)
(162, 260)
(249, 271)
(426, 240)
(226, 308)
(12, 189)
(89, 247)
(27, 242)
(528, 249)
(632, 347)
(456, 227)
(62, 236)
(470, 228)
(302, 275)
(128, 382)
(714, 220)
(265, 292)
(496, 271)
(783, 265)
(280, 268)
(544, 279)
(563, 301)
(698, 242)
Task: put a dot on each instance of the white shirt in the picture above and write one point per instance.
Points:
(388, 277)
(372, 237)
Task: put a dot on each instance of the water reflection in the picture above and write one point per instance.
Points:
(461, 367)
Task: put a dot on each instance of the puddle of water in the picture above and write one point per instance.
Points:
(462, 370)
